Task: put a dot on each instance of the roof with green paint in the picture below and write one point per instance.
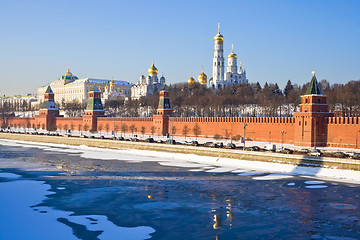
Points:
(313, 88)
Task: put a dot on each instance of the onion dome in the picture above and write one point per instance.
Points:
(218, 37)
(202, 78)
(68, 76)
(153, 70)
(191, 80)
(211, 79)
(232, 54)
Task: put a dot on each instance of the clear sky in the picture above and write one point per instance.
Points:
(275, 40)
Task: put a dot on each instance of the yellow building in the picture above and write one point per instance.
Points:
(69, 87)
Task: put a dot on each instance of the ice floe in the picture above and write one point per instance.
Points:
(273, 177)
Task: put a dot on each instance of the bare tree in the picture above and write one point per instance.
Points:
(185, 131)
(196, 130)
(153, 129)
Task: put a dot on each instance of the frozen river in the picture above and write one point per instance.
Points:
(60, 192)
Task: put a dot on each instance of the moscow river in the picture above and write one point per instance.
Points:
(69, 193)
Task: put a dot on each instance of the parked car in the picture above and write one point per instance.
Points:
(134, 139)
(220, 144)
(121, 138)
(315, 152)
(252, 148)
(339, 154)
(194, 143)
(284, 150)
(354, 155)
(92, 137)
(170, 141)
(230, 146)
(208, 144)
(160, 141)
(211, 144)
(304, 150)
(150, 140)
(102, 137)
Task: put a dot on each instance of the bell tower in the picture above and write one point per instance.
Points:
(310, 123)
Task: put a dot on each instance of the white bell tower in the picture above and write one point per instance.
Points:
(218, 61)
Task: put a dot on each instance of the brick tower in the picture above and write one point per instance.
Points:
(48, 112)
(310, 123)
(94, 109)
(164, 111)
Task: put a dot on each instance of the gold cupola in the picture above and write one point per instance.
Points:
(68, 73)
(232, 54)
(202, 78)
(191, 80)
(112, 83)
(153, 70)
(218, 37)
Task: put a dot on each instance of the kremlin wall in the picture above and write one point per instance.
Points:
(313, 125)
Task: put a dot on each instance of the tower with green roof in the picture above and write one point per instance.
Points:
(94, 109)
(164, 111)
(310, 123)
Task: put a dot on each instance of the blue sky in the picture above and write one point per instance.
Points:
(275, 40)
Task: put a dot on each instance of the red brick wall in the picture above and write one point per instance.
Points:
(132, 125)
(257, 129)
(343, 132)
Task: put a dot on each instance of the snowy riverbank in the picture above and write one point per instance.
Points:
(197, 163)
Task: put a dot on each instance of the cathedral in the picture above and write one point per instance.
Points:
(147, 85)
(232, 75)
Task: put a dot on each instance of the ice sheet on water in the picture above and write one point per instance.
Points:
(314, 182)
(16, 212)
(220, 170)
(316, 186)
(9, 175)
(273, 177)
(250, 173)
(291, 184)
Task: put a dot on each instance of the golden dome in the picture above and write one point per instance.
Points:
(153, 70)
(68, 73)
(232, 55)
(218, 37)
(191, 80)
(202, 78)
(112, 83)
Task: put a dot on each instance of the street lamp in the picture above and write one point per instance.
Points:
(245, 124)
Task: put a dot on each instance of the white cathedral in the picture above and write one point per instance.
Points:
(221, 78)
(147, 85)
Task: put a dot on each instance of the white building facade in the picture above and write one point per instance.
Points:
(147, 85)
(68, 88)
(232, 75)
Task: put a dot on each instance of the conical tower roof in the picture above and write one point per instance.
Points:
(313, 88)
(49, 90)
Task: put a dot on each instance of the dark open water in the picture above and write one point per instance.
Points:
(85, 198)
